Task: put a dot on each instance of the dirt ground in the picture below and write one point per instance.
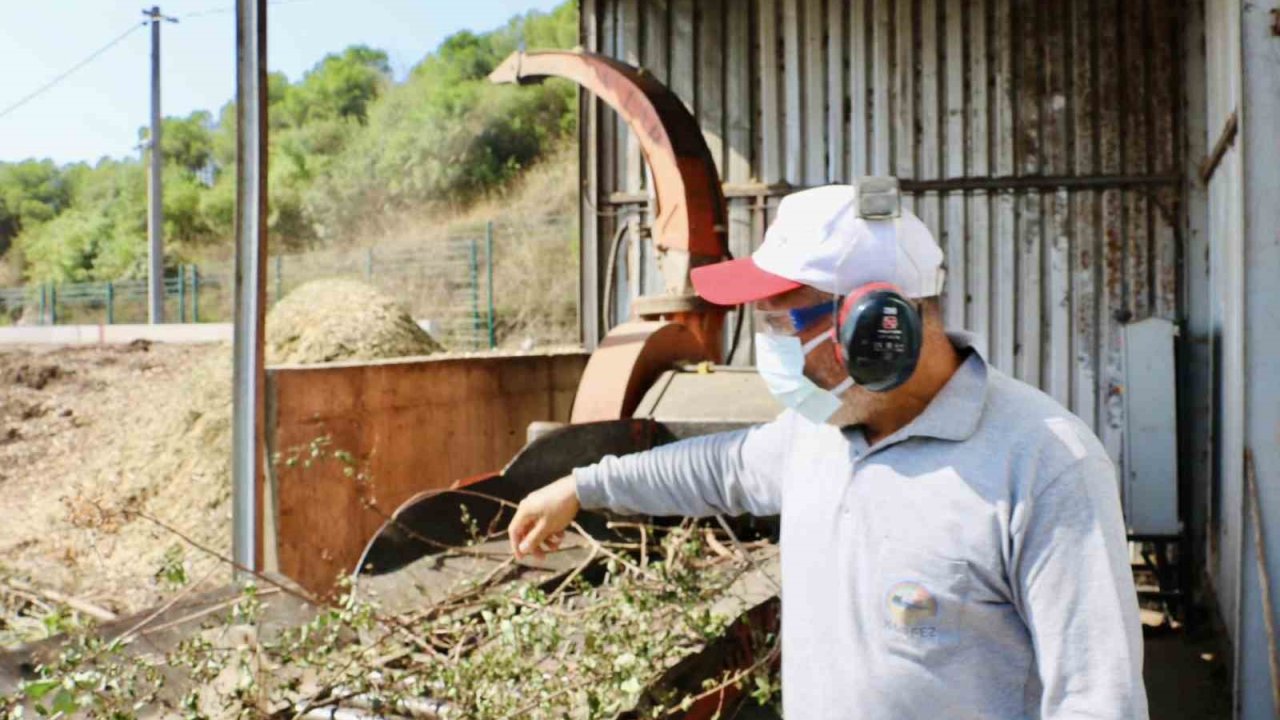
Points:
(66, 415)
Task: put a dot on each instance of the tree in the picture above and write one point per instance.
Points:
(101, 233)
(31, 192)
(339, 86)
(446, 135)
(188, 142)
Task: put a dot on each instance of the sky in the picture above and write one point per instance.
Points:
(97, 110)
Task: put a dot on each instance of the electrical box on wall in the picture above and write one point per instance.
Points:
(1150, 483)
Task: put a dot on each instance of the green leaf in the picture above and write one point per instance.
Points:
(39, 688)
(64, 702)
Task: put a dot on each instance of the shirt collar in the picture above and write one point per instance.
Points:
(954, 412)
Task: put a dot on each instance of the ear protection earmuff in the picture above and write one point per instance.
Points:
(878, 332)
(878, 335)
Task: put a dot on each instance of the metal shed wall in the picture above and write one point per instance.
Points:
(1243, 82)
(1226, 293)
(1039, 140)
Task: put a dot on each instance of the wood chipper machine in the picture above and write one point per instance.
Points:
(429, 436)
(657, 377)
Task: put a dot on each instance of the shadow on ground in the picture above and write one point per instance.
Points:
(1187, 674)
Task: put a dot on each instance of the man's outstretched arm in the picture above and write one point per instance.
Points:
(731, 473)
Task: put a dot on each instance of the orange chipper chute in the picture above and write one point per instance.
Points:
(689, 229)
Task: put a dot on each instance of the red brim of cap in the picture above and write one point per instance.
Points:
(738, 281)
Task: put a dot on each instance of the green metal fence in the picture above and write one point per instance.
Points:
(447, 285)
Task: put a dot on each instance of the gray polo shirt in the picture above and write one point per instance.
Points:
(971, 565)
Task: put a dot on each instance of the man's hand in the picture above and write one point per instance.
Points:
(541, 518)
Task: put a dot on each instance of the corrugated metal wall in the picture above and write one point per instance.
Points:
(1039, 140)
(1226, 291)
(1259, 145)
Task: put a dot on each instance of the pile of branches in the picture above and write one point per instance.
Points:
(494, 647)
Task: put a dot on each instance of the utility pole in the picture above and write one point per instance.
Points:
(155, 188)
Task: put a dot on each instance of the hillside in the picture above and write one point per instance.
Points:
(355, 155)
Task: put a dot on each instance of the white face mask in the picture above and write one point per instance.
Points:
(780, 362)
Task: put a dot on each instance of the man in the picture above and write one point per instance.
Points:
(951, 548)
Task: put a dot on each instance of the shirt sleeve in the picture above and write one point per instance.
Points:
(728, 473)
(1076, 593)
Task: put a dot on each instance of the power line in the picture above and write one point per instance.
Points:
(210, 11)
(92, 56)
(116, 41)
(232, 8)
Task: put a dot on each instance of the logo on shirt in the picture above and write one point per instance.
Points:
(910, 605)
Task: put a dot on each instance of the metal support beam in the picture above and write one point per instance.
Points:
(248, 416)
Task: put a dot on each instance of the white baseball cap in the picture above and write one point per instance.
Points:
(827, 239)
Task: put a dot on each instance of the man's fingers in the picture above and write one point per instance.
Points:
(518, 529)
(532, 543)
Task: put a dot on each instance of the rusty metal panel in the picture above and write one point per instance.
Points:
(770, 117)
(1004, 235)
(741, 104)
(399, 419)
(1195, 358)
(813, 90)
(837, 101)
(902, 95)
(709, 101)
(977, 161)
(1028, 155)
(929, 138)
(793, 154)
(1085, 218)
(953, 227)
(1055, 339)
(1037, 138)
(1111, 272)
(881, 80)
(859, 32)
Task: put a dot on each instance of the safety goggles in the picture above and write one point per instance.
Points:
(792, 321)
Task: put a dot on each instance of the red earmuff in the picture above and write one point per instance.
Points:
(847, 304)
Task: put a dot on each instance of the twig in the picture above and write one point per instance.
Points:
(395, 521)
(768, 657)
(710, 537)
(30, 597)
(82, 606)
(461, 599)
(738, 544)
(305, 597)
(299, 594)
(644, 546)
(164, 607)
(524, 710)
(202, 612)
(573, 575)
